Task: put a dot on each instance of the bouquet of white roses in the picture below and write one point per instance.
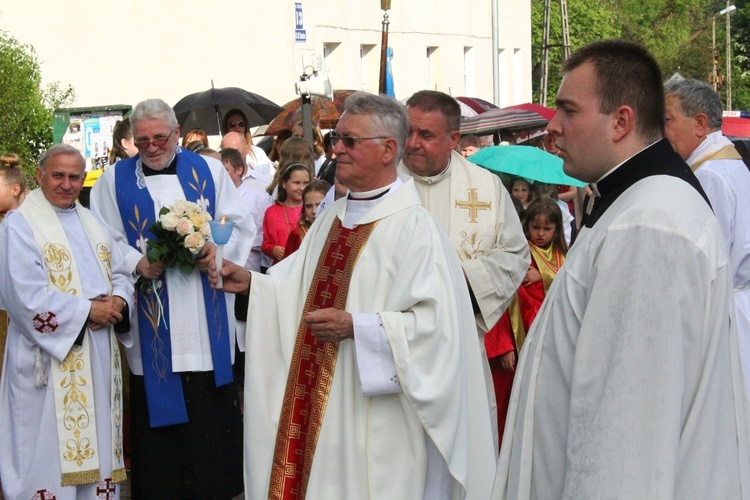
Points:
(181, 233)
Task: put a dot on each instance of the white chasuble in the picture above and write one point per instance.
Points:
(377, 446)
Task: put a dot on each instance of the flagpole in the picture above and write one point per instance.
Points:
(385, 5)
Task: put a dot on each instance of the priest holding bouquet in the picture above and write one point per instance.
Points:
(186, 422)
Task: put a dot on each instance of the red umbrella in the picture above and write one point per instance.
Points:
(544, 111)
(325, 112)
(478, 105)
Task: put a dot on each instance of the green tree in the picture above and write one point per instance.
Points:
(25, 107)
(588, 21)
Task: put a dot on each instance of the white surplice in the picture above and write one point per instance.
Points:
(378, 446)
(727, 184)
(629, 383)
(29, 455)
(191, 348)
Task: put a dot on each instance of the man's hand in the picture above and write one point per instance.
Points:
(532, 276)
(508, 361)
(330, 325)
(278, 253)
(236, 278)
(208, 254)
(149, 271)
(105, 312)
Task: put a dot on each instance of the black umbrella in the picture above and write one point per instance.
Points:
(205, 110)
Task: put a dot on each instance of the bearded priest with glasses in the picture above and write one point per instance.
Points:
(186, 422)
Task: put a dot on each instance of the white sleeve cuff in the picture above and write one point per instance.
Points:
(377, 368)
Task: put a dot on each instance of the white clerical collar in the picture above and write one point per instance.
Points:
(621, 164)
(359, 204)
(432, 179)
(66, 210)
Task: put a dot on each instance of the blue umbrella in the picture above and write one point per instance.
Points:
(524, 161)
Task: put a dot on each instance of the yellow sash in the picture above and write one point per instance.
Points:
(728, 152)
(71, 378)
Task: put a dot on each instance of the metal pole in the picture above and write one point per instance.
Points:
(714, 74)
(385, 5)
(495, 53)
(729, 61)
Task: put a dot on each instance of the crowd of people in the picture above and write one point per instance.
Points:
(387, 319)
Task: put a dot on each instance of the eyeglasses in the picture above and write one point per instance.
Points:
(350, 141)
(236, 124)
(159, 142)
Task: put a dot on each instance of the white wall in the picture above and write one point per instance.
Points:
(120, 52)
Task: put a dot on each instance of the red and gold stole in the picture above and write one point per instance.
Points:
(548, 261)
(313, 364)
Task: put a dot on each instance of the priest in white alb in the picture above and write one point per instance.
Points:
(362, 380)
(629, 383)
(693, 127)
(183, 393)
(65, 288)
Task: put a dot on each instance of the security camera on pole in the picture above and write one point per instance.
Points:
(308, 86)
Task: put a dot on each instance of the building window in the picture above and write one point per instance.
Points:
(332, 61)
(432, 68)
(470, 73)
(369, 68)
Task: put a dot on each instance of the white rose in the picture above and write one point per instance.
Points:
(191, 209)
(184, 226)
(194, 242)
(179, 207)
(169, 221)
(206, 229)
(198, 219)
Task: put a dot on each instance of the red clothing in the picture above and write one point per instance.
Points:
(500, 340)
(277, 225)
(294, 240)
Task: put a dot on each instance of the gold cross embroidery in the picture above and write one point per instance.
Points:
(473, 205)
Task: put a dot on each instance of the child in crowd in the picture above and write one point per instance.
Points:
(544, 230)
(12, 193)
(311, 198)
(282, 216)
(521, 189)
(550, 191)
(12, 183)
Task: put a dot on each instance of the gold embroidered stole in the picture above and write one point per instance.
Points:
(728, 152)
(312, 366)
(548, 261)
(72, 378)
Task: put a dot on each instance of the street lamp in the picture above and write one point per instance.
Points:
(728, 11)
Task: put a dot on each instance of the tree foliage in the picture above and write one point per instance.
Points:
(26, 108)
(676, 32)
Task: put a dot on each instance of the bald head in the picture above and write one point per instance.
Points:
(235, 140)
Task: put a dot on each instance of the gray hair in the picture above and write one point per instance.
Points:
(389, 117)
(154, 108)
(696, 97)
(61, 149)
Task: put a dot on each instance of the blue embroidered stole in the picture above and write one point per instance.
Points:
(166, 402)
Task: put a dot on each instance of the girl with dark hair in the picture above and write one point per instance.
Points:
(282, 216)
(123, 144)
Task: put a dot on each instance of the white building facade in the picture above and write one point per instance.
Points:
(121, 52)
